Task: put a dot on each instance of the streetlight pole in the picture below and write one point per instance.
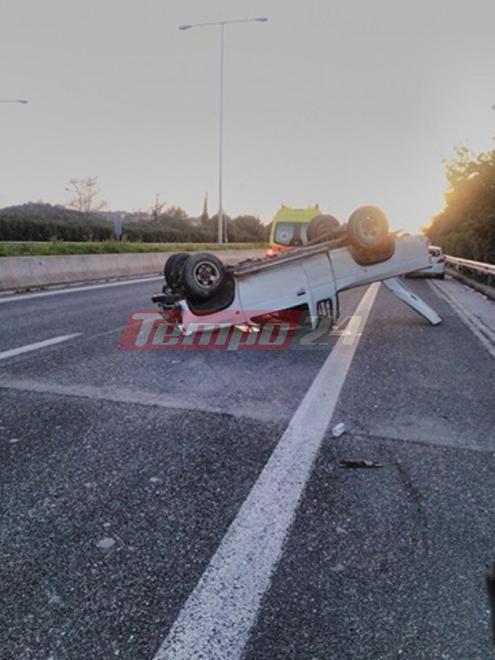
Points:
(220, 237)
(222, 24)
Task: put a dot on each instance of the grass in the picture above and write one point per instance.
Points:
(113, 247)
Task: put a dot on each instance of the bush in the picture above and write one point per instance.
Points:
(164, 233)
(44, 222)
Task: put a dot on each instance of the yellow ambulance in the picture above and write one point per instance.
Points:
(289, 228)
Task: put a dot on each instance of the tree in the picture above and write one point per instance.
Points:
(176, 212)
(247, 228)
(466, 227)
(85, 195)
(204, 213)
(156, 209)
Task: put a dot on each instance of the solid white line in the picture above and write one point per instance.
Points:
(218, 615)
(477, 327)
(75, 289)
(34, 347)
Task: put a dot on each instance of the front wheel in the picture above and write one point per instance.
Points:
(367, 227)
(203, 275)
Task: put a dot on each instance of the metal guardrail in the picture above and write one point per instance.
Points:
(479, 275)
(468, 266)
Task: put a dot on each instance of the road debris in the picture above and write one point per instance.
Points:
(362, 463)
(490, 587)
(106, 543)
(338, 430)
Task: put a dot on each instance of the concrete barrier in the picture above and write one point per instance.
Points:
(18, 273)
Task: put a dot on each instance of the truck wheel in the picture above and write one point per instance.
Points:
(173, 269)
(320, 226)
(203, 275)
(367, 227)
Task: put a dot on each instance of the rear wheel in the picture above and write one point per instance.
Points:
(321, 226)
(367, 227)
(173, 269)
(203, 275)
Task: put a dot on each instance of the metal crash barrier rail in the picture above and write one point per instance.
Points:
(479, 275)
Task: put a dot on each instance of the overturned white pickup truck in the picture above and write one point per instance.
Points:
(199, 288)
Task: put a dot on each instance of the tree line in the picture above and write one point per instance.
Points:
(85, 220)
(466, 227)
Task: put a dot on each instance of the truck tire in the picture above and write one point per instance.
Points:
(173, 269)
(321, 226)
(203, 275)
(367, 227)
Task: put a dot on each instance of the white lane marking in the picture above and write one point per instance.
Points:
(218, 615)
(485, 334)
(75, 289)
(34, 347)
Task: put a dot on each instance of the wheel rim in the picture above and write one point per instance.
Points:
(369, 228)
(206, 275)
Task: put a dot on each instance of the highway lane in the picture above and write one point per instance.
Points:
(93, 366)
(36, 317)
(163, 482)
(152, 453)
(391, 562)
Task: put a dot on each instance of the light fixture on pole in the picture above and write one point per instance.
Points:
(221, 25)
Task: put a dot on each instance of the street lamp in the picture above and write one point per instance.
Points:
(221, 25)
(23, 101)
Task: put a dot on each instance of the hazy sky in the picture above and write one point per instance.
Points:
(337, 102)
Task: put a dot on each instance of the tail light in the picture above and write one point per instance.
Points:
(273, 250)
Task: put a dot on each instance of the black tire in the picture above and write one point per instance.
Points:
(203, 275)
(321, 226)
(367, 227)
(441, 276)
(173, 269)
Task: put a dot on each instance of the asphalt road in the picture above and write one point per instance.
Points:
(123, 472)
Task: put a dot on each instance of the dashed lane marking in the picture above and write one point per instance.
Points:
(37, 345)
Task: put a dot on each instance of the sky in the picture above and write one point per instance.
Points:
(340, 103)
